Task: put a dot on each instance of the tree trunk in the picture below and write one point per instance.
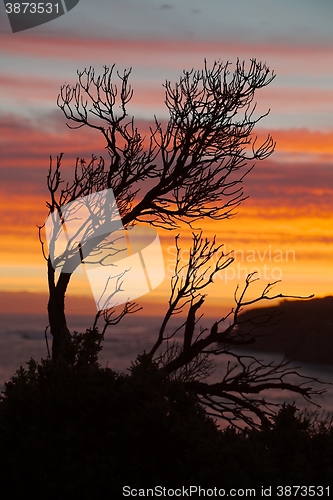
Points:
(62, 341)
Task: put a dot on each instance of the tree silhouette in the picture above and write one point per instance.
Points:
(240, 394)
(194, 166)
(195, 163)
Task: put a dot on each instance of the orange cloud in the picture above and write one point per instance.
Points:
(300, 140)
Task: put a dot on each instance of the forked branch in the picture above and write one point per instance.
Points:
(237, 396)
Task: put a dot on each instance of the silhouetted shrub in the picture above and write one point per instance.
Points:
(83, 431)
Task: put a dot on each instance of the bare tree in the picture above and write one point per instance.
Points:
(194, 164)
(186, 354)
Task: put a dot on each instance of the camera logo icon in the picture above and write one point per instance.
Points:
(88, 234)
(26, 15)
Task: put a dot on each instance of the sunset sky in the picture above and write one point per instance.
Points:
(284, 230)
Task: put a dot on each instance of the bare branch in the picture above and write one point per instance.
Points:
(235, 397)
(196, 159)
(42, 243)
(189, 279)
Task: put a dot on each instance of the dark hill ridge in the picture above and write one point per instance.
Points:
(301, 329)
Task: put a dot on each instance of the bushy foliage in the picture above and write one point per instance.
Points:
(83, 431)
